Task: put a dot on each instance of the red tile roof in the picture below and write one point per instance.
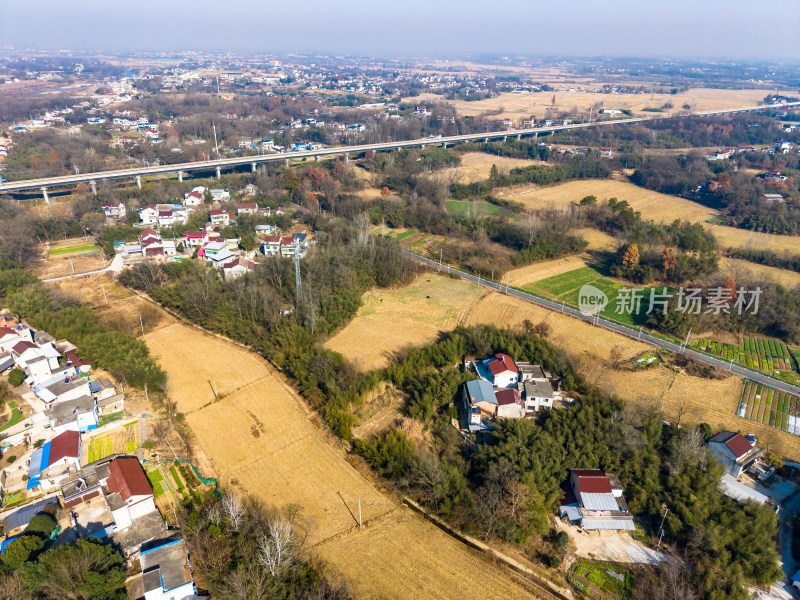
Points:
(194, 234)
(508, 396)
(288, 241)
(72, 357)
(195, 195)
(592, 481)
(154, 250)
(22, 346)
(127, 477)
(7, 331)
(250, 205)
(502, 363)
(738, 445)
(272, 239)
(65, 445)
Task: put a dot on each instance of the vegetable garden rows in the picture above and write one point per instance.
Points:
(770, 407)
(768, 356)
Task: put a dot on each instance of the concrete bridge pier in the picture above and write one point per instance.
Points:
(444, 144)
(139, 181)
(519, 136)
(93, 183)
(347, 158)
(180, 175)
(422, 146)
(536, 134)
(219, 173)
(286, 162)
(316, 157)
(253, 167)
(46, 197)
(505, 137)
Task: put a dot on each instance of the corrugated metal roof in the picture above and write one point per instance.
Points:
(481, 391)
(738, 491)
(572, 511)
(599, 502)
(609, 524)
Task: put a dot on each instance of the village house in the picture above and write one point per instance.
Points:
(196, 197)
(219, 218)
(166, 571)
(10, 337)
(271, 245)
(262, 230)
(289, 246)
(64, 387)
(734, 451)
(113, 211)
(502, 372)
(54, 462)
(594, 501)
(75, 415)
(217, 253)
(509, 404)
(148, 215)
(247, 208)
(478, 405)
(194, 239)
(237, 267)
(220, 195)
(538, 394)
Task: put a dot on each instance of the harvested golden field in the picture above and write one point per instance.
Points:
(475, 166)
(192, 358)
(261, 439)
(701, 400)
(403, 545)
(733, 237)
(653, 205)
(598, 240)
(412, 315)
(739, 268)
(522, 106)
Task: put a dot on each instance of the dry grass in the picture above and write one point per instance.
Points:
(260, 438)
(119, 308)
(379, 559)
(522, 106)
(658, 207)
(412, 315)
(704, 400)
(598, 240)
(380, 412)
(475, 166)
(739, 269)
(732, 237)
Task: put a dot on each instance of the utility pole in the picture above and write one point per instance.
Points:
(297, 282)
(214, 385)
(146, 397)
(360, 524)
(104, 293)
(440, 259)
(141, 324)
(72, 265)
(216, 146)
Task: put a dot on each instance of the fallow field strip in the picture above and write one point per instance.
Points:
(260, 439)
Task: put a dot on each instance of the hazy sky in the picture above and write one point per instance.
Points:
(704, 28)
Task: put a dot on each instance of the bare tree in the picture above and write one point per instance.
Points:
(277, 547)
(233, 509)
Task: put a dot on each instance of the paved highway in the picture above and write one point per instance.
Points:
(616, 327)
(225, 163)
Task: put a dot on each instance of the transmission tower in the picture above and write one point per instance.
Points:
(297, 273)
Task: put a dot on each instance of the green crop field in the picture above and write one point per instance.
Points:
(606, 581)
(761, 354)
(100, 447)
(461, 208)
(770, 407)
(404, 235)
(76, 248)
(566, 287)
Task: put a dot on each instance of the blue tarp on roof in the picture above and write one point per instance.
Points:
(40, 459)
(93, 387)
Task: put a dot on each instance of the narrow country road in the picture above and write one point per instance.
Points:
(611, 325)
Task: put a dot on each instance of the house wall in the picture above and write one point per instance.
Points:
(122, 517)
(487, 407)
(75, 393)
(142, 507)
(722, 454)
(505, 380)
(39, 371)
(178, 593)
